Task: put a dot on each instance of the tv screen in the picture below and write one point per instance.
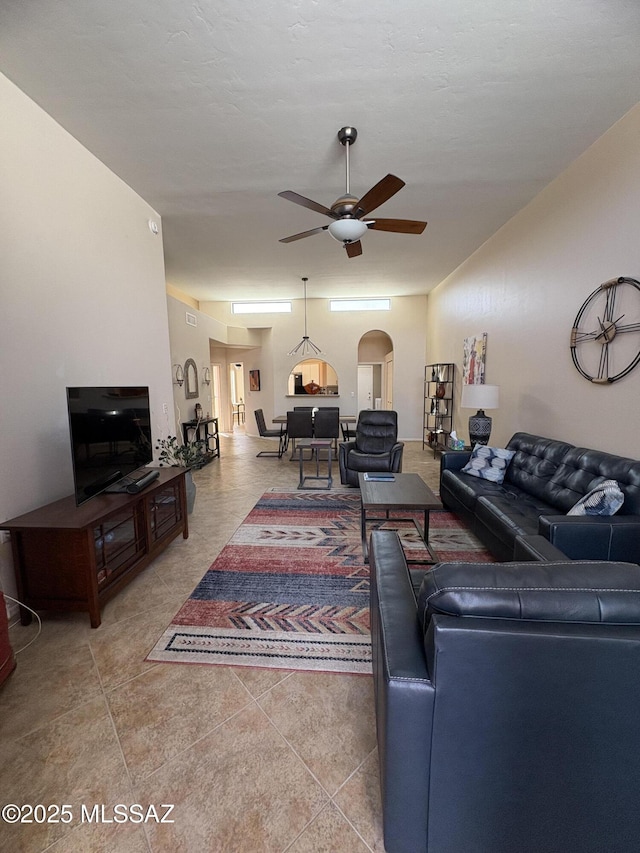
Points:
(110, 436)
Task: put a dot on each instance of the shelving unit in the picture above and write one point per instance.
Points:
(69, 557)
(437, 421)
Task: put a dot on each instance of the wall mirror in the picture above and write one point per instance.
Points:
(190, 379)
(313, 377)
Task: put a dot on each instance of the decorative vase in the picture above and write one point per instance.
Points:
(190, 488)
(441, 390)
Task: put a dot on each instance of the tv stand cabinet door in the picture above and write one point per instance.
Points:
(56, 570)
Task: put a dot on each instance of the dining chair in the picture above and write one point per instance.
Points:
(299, 425)
(348, 434)
(326, 424)
(280, 434)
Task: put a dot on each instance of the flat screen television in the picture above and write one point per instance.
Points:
(110, 436)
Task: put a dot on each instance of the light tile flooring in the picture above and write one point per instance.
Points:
(251, 759)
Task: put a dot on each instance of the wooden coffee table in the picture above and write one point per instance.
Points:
(404, 492)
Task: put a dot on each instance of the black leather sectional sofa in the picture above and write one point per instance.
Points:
(507, 704)
(543, 481)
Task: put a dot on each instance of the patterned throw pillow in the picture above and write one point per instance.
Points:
(488, 463)
(605, 499)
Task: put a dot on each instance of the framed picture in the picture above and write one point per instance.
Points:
(473, 359)
(254, 380)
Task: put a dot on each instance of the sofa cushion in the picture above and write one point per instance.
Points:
(535, 461)
(605, 499)
(357, 461)
(572, 591)
(466, 489)
(583, 469)
(510, 514)
(488, 463)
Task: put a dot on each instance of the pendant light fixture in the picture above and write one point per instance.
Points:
(306, 345)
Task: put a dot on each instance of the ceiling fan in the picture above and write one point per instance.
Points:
(348, 226)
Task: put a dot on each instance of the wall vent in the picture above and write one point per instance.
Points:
(191, 319)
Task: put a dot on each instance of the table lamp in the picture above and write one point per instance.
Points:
(480, 397)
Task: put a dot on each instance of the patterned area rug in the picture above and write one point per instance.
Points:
(290, 590)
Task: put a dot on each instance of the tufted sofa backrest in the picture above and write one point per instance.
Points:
(582, 469)
(536, 461)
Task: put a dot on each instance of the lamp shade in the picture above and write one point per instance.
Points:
(480, 397)
(347, 229)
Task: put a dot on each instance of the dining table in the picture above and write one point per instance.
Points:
(344, 419)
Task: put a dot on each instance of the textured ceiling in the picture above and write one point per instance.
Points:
(209, 109)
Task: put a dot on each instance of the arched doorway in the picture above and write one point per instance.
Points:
(375, 371)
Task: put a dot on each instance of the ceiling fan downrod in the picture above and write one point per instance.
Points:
(347, 136)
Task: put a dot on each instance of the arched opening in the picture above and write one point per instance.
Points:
(313, 376)
(375, 371)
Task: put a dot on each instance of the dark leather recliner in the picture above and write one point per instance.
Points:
(375, 447)
(506, 699)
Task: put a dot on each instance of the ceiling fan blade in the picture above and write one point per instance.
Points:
(353, 249)
(400, 226)
(303, 234)
(378, 194)
(307, 202)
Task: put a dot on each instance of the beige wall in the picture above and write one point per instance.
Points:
(82, 300)
(524, 288)
(338, 334)
(209, 342)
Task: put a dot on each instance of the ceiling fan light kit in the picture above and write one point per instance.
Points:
(347, 211)
(347, 230)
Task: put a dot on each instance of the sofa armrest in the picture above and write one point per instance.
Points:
(454, 460)
(396, 457)
(343, 454)
(345, 446)
(536, 547)
(404, 697)
(594, 537)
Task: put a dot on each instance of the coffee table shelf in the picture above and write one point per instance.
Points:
(406, 492)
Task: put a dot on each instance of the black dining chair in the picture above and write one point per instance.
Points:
(280, 434)
(299, 425)
(348, 434)
(326, 424)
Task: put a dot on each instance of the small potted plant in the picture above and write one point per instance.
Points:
(189, 455)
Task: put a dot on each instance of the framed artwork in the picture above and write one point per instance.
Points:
(254, 380)
(473, 359)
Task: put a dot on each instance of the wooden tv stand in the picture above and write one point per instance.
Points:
(69, 557)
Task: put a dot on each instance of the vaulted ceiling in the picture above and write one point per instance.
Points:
(208, 109)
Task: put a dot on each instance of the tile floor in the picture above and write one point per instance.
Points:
(251, 759)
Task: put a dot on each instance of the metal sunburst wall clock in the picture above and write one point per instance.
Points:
(605, 338)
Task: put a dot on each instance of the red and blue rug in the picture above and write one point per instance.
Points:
(290, 589)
